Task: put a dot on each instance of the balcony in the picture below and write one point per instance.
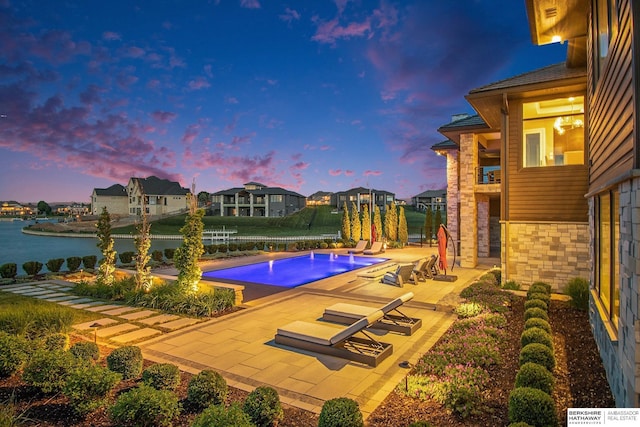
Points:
(488, 179)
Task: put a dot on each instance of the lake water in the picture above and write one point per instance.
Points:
(17, 247)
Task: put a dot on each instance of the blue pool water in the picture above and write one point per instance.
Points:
(296, 271)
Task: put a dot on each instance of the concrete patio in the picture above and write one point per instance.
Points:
(241, 346)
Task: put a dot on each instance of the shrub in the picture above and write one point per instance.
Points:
(13, 354)
(519, 424)
(33, 321)
(461, 389)
(162, 376)
(468, 309)
(532, 406)
(263, 407)
(578, 290)
(85, 351)
(126, 257)
(541, 285)
(48, 370)
(537, 303)
(54, 265)
(126, 361)
(536, 322)
(9, 270)
(539, 296)
(489, 278)
(157, 256)
(538, 353)
(168, 253)
(73, 263)
(32, 267)
(340, 412)
(536, 335)
(89, 261)
(56, 341)
(88, 387)
(512, 285)
(145, 406)
(535, 376)
(206, 388)
(219, 416)
(536, 313)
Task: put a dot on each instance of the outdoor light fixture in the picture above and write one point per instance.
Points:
(556, 39)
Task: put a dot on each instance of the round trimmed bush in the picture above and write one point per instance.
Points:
(536, 335)
(541, 285)
(578, 290)
(540, 296)
(535, 376)
(56, 341)
(13, 354)
(145, 406)
(489, 278)
(263, 407)
(48, 370)
(532, 406)
(88, 388)
(162, 376)
(536, 303)
(536, 322)
(340, 412)
(537, 313)
(9, 270)
(126, 360)
(219, 416)
(86, 351)
(206, 388)
(538, 353)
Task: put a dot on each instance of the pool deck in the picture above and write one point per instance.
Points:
(241, 345)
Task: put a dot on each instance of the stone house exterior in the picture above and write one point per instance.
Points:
(114, 198)
(435, 199)
(603, 38)
(362, 196)
(161, 196)
(255, 199)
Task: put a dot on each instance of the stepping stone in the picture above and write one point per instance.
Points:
(12, 288)
(65, 288)
(88, 304)
(137, 315)
(115, 330)
(47, 296)
(103, 307)
(100, 322)
(118, 311)
(76, 301)
(36, 292)
(136, 335)
(162, 318)
(49, 285)
(179, 323)
(66, 297)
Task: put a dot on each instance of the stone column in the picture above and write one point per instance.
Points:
(237, 205)
(483, 226)
(453, 202)
(468, 205)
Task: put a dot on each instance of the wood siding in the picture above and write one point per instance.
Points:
(611, 148)
(554, 193)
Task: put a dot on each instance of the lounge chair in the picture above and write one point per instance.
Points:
(360, 247)
(418, 270)
(402, 275)
(393, 319)
(338, 342)
(429, 269)
(375, 248)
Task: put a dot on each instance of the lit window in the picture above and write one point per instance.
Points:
(553, 132)
(608, 261)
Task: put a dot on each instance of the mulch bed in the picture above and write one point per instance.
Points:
(580, 382)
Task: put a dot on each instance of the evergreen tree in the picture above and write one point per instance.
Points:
(391, 222)
(377, 221)
(403, 231)
(366, 223)
(356, 226)
(186, 257)
(142, 242)
(346, 223)
(107, 266)
(438, 217)
(428, 225)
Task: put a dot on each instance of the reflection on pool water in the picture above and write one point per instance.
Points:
(296, 271)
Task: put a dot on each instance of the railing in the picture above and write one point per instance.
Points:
(488, 175)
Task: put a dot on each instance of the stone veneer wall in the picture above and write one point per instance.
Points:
(468, 205)
(453, 202)
(550, 252)
(620, 352)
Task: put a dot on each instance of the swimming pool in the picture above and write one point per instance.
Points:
(292, 272)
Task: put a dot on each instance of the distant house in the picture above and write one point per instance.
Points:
(255, 199)
(13, 208)
(435, 199)
(161, 196)
(319, 198)
(74, 210)
(114, 198)
(361, 196)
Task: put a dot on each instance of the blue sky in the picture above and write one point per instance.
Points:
(305, 95)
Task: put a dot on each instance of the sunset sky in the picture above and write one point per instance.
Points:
(305, 95)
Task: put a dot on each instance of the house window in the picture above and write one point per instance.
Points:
(275, 198)
(553, 132)
(605, 27)
(607, 256)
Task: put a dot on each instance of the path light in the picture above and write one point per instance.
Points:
(406, 365)
(95, 327)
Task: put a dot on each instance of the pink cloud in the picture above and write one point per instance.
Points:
(330, 31)
(163, 116)
(372, 173)
(111, 35)
(199, 83)
(232, 100)
(134, 52)
(349, 173)
(335, 172)
(289, 15)
(250, 4)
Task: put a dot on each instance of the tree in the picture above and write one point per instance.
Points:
(438, 217)
(377, 221)
(391, 222)
(428, 225)
(356, 226)
(403, 232)
(186, 257)
(346, 223)
(105, 243)
(43, 207)
(204, 198)
(366, 223)
(142, 243)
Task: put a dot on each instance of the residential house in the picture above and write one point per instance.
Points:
(13, 208)
(434, 199)
(161, 196)
(114, 198)
(255, 199)
(362, 196)
(74, 210)
(319, 198)
(603, 38)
